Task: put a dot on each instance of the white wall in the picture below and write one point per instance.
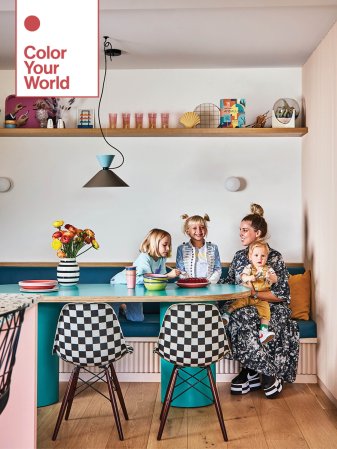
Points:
(319, 198)
(167, 176)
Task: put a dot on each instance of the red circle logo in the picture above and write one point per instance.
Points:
(32, 23)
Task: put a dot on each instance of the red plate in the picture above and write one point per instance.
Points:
(37, 284)
(192, 284)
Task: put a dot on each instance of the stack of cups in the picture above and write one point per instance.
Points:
(131, 277)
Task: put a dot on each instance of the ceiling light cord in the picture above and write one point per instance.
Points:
(106, 44)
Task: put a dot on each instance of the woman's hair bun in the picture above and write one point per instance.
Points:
(206, 217)
(256, 209)
(184, 216)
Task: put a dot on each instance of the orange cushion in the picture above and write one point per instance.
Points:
(300, 295)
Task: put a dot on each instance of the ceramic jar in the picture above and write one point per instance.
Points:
(68, 272)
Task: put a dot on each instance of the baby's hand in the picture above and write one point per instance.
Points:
(174, 273)
(247, 278)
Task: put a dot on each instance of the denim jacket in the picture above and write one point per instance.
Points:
(186, 261)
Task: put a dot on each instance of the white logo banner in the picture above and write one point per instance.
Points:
(57, 48)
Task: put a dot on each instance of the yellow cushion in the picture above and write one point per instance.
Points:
(300, 295)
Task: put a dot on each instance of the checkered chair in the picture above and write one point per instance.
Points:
(192, 335)
(87, 335)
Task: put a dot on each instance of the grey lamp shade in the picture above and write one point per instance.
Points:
(106, 178)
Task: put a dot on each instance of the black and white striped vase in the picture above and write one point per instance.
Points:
(68, 271)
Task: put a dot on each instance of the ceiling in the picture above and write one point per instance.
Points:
(156, 34)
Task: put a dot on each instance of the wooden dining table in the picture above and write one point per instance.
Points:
(50, 304)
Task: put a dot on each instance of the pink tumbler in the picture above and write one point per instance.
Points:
(131, 277)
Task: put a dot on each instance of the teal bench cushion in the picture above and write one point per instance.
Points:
(308, 329)
(147, 328)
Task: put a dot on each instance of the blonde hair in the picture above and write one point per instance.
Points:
(150, 244)
(195, 219)
(257, 244)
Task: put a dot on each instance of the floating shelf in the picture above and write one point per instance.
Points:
(157, 132)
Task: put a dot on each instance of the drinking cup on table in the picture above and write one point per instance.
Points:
(126, 120)
(131, 277)
(139, 120)
(112, 120)
(164, 119)
(152, 119)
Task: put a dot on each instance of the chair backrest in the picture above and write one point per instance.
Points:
(89, 334)
(192, 335)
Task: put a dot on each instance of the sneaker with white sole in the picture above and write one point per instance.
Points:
(225, 318)
(265, 336)
(247, 380)
(272, 386)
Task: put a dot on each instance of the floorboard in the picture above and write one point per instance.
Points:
(301, 418)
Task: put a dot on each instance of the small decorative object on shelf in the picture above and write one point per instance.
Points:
(209, 114)
(285, 112)
(260, 121)
(68, 243)
(86, 118)
(232, 113)
(42, 110)
(190, 119)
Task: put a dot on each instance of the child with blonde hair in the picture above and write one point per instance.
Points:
(154, 250)
(198, 258)
(259, 277)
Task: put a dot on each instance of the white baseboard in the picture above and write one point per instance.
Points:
(144, 366)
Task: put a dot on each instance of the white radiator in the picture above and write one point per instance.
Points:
(144, 366)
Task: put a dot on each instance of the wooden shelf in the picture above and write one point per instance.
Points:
(158, 132)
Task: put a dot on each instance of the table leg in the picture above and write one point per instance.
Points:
(48, 363)
(192, 397)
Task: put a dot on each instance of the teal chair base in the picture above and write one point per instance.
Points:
(48, 363)
(200, 397)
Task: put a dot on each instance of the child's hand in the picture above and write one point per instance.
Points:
(174, 273)
(246, 278)
(271, 276)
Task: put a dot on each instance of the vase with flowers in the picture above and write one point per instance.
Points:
(70, 242)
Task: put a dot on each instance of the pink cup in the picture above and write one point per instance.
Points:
(164, 119)
(113, 120)
(139, 120)
(131, 277)
(126, 120)
(152, 119)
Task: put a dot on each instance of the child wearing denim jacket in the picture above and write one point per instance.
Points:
(198, 258)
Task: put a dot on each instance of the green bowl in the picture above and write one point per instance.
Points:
(154, 281)
(155, 285)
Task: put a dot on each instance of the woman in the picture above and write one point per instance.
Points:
(277, 360)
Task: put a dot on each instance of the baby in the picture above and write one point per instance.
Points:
(259, 277)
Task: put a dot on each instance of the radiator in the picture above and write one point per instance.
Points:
(143, 365)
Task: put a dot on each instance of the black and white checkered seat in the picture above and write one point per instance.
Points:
(89, 334)
(192, 335)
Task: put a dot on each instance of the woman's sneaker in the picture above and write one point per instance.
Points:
(247, 380)
(225, 318)
(272, 386)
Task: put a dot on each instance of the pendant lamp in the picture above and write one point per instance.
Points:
(106, 177)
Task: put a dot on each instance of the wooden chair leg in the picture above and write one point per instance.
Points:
(72, 392)
(217, 403)
(167, 390)
(114, 404)
(63, 406)
(167, 403)
(118, 391)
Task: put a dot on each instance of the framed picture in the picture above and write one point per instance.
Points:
(85, 118)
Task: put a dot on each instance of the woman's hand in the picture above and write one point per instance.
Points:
(174, 273)
(271, 276)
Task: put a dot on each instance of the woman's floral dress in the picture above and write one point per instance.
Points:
(280, 356)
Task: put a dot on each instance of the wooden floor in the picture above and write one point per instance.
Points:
(301, 418)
